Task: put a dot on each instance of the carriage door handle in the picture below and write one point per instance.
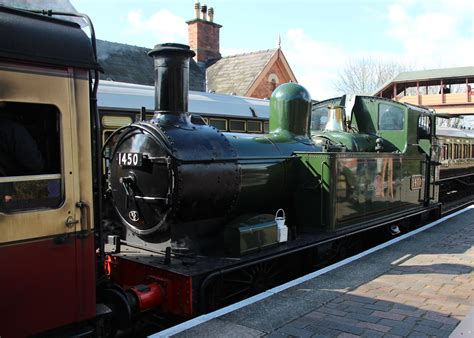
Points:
(70, 221)
(87, 217)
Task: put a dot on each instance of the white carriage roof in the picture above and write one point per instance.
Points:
(454, 132)
(119, 95)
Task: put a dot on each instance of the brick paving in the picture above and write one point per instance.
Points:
(420, 287)
(425, 295)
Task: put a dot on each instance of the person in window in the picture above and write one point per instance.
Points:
(445, 90)
(19, 155)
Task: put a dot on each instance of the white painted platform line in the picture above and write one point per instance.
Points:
(204, 318)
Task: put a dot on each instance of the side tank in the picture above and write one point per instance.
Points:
(175, 178)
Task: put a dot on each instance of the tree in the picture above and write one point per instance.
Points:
(366, 75)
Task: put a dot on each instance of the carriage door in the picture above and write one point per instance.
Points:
(41, 248)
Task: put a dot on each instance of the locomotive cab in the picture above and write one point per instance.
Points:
(378, 161)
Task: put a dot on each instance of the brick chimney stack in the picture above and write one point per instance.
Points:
(203, 34)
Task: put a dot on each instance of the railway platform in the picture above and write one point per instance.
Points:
(420, 284)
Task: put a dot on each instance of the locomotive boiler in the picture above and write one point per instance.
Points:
(175, 177)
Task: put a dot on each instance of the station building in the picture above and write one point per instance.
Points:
(447, 90)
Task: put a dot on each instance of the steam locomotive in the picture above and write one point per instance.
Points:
(195, 201)
(196, 218)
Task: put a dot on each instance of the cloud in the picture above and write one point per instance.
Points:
(163, 25)
(435, 33)
(426, 34)
(315, 63)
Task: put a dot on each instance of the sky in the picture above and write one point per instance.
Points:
(317, 37)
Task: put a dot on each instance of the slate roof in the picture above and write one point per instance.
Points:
(235, 74)
(131, 64)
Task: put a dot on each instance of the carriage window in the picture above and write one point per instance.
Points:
(254, 126)
(111, 121)
(390, 117)
(444, 153)
(266, 126)
(220, 124)
(237, 125)
(30, 162)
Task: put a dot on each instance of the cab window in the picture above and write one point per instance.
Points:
(424, 126)
(30, 160)
(390, 117)
(319, 118)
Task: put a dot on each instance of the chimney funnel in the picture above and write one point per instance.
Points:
(204, 12)
(211, 14)
(171, 77)
(197, 8)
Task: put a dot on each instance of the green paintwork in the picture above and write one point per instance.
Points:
(250, 233)
(351, 142)
(337, 190)
(331, 185)
(351, 184)
(290, 110)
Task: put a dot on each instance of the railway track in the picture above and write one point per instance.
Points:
(456, 190)
(456, 205)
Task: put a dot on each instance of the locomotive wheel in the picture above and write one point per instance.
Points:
(237, 285)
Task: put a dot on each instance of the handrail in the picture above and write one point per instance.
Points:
(28, 178)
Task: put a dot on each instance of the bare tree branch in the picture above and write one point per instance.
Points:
(365, 75)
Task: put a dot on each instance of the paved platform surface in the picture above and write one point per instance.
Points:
(422, 286)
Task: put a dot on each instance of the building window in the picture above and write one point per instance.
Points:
(274, 81)
(30, 159)
(273, 78)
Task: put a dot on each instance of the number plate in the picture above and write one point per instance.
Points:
(416, 182)
(130, 159)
